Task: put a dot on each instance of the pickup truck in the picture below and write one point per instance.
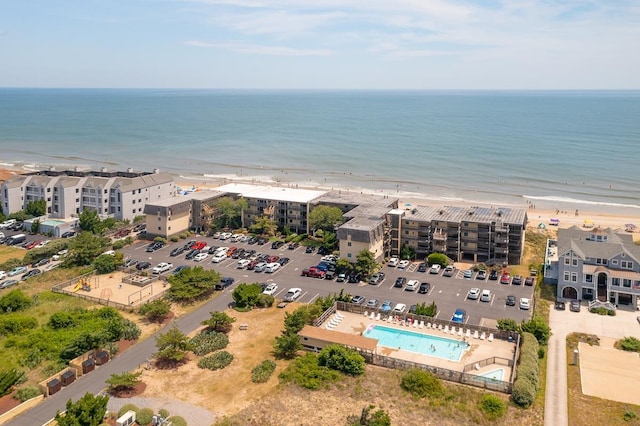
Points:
(313, 273)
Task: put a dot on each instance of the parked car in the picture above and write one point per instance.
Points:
(423, 267)
(292, 294)
(459, 316)
(358, 300)
(143, 265)
(31, 273)
(412, 285)
(130, 262)
(386, 306)
(3, 275)
(271, 289)
(310, 249)
(177, 251)
(41, 262)
(8, 283)
(482, 275)
(485, 296)
(400, 282)
(530, 281)
(198, 245)
(354, 278)
(505, 278)
(219, 257)
(17, 270)
(525, 303)
(283, 260)
(271, 267)
(517, 280)
(342, 277)
(560, 305)
(161, 268)
(224, 283)
(449, 271)
(574, 306)
(403, 264)
(511, 300)
(473, 293)
(424, 288)
(200, 256)
(277, 244)
(435, 269)
(468, 274)
(399, 308)
(372, 303)
(242, 263)
(493, 275)
(376, 278)
(179, 269)
(393, 262)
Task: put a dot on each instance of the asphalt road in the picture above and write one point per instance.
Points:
(132, 358)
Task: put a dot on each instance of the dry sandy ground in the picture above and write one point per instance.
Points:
(609, 373)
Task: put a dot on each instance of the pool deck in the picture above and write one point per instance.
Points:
(479, 350)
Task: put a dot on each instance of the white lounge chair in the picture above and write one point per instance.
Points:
(366, 313)
(428, 325)
(460, 332)
(483, 336)
(390, 318)
(414, 323)
(476, 366)
(453, 330)
(490, 337)
(475, 334)
(468, 334)
(439, 326)
(373, 315)
(422, 324)
(446, 329)
(378, 316)
(339, 315)
(330, 327)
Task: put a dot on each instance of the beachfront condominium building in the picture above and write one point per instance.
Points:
(602, 264)
(471, 234)
(117, 194)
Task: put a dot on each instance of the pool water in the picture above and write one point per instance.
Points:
(493, 374)
(439, 347)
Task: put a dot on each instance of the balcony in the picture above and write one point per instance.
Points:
(501, 250)
(501, 228)
(501, 240)
(439, 237)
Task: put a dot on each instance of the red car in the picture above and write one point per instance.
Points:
(231, 251)
(273, 259)
(32, 244)
(505, 278)
(313, 273)
(198, 245)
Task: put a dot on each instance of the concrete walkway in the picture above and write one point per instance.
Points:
(562, 323)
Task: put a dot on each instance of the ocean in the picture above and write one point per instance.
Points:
(566, 150)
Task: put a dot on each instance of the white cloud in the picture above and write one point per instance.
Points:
(261, 50)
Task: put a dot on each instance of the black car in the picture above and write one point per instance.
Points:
(41, 262)
(511, 300)
(177, 251)
(323, 251)
(154, 246)
(574, 306)
(424, 288)
(529, 281)
(400, 282)
(252, 240)
(224, 283)
(236, 254)
(68, 234)
(294, 246)
(493, 275)
(283, 260)
(31, 273)
(517, 280)
(143, 265)
(423, 267)
(178, 269)
(354, 278)
(192, 254)
(276, 244)
(560, 305)
(310, 249)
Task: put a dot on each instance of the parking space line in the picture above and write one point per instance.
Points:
(313, 298)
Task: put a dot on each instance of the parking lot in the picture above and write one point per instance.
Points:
(449, 293)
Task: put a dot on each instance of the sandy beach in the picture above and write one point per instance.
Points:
(607, 219)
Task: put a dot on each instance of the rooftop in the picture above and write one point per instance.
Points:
(266, 192)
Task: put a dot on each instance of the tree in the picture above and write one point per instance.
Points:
(264, 225)
(14, 301)
(330, 240)
(287, 346)
(85, 248)
(220, 322)
(36, 208)
(295, 321)
(124, 382)
(340, 358)
(172, 346)
(87, 411)
(407, 252)
(106, 263)
(229, 212)
(192, 284)
(377, 418)
(156, 311)
(325, 218)
(343, 265)
(438, 259)
(35, 226)
(88, 220)
(428, 311)
(508, 324)
(538, 327)
(246, 295)
(365, 262)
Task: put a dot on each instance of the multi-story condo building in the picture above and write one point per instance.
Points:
(118, 194)
(602, 264)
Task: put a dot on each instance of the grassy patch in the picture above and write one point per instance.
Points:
(8, 252)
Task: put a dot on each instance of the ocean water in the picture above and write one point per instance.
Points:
(566, 150)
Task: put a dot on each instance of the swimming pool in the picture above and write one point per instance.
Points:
(439, 347)
(496, 374)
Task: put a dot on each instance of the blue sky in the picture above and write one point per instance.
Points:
(321, 44)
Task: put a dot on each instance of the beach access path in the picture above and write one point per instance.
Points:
(131, 359)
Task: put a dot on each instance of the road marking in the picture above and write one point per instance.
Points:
(313, 298)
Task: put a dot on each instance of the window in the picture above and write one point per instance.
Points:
(159, 218)
(349, 255)
(567, 261)
(349, 244)
(574, 277)
(159, 228)
(134, 211)
(626, 283)
(48, 189)
(77, 190)
(588, 278)
(566, 276)
(615, 282)
(574, 262)
(626, 264)
(614, 262)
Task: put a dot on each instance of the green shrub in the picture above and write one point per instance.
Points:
(177, 421)
(216, 361)
(184, 236)
(144, 416)
(305, 372)
(174, 238)
(492, 406)
(540, 352)
(118, 245)
(529, 371)
(422, 383)
(14, 301)
(611, 312)
(164, 413)
(208, 341)
(26, 393)
(16, 323)
(539, 328)
(630, 344)
(263, 371)
(343, 359)
(629, 415)
(9, 379)
(265, 301)
(127, 407)
(131, 331)
(523, 393)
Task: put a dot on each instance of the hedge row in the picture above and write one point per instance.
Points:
(527, 383)
(209, 341)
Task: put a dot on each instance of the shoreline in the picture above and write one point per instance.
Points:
(538, 211)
